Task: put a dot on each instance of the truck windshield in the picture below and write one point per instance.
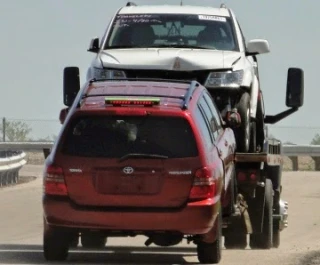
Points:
(118, 137)
(172, 30)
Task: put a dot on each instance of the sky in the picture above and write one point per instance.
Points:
(41, 37)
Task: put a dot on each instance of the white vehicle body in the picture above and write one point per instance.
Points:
(184, 59)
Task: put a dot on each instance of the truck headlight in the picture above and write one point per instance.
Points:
(100, 73)
(224, 79)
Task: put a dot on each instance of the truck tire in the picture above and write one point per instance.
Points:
(264, 240)
(211, 252)
(93, 240)
(55, 245)
(253, 138)
(276, 239)
(243, 133)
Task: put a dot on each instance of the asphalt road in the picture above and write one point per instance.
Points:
(21, 231)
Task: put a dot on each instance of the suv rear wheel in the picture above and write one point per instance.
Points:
(211, 252)
(55, 244)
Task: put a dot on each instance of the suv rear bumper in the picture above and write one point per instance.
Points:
(195, 218)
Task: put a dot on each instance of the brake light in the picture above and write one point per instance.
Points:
(54, 183)
(123, 101)
(204, 186)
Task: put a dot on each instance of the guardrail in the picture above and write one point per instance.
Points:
(291, 151)
(10, 164)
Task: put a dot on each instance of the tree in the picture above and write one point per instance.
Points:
(16, 131)
(316, 139)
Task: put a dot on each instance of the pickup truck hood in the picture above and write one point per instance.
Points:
(168, 59)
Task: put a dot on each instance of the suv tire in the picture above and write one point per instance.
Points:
(211, 252)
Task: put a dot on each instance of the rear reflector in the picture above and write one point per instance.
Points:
(204, 186)
(247, 176)
(54, 183)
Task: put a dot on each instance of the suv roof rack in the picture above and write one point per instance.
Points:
(131, 4)
(186, 98)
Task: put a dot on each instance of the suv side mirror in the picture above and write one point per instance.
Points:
(63, 115)
(71, 84)
(94, 45)
(295, 88)
(257, 46)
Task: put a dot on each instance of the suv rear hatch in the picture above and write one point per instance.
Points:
(129, 161)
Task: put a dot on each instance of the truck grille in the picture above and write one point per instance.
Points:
(199, 76)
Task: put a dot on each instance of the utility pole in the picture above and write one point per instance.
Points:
(181, 2)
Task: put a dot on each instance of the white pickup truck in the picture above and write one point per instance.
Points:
(188, 42)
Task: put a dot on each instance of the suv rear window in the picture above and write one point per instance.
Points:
(115, 137)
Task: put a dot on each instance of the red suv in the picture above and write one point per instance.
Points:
(139, 157)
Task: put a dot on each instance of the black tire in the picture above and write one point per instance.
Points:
(253, 138)
(211, 252)
(55, 245)
(264, 240)
(260, 135)
(93, 240)
(276, 239)
(243, 132)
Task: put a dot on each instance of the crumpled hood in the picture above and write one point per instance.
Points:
(168, 59)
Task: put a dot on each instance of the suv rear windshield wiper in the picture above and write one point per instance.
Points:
(140, 155)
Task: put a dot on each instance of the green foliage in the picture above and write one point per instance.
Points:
(316, 139)
(16, 131)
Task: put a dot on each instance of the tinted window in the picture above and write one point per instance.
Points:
(209, 115)
(114, 137)
(213, 109)
(203, 127)
(171, 30)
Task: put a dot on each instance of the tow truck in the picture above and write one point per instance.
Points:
(257, 207)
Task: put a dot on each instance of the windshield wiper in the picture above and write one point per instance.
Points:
(182, 46)
(140, 155)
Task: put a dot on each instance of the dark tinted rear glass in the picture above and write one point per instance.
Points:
(114, 137)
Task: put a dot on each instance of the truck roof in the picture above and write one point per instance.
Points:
(171, 94)
(175, 9)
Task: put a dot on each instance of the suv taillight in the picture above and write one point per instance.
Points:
(204, 186)
(54, 183)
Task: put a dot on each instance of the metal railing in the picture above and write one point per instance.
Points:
(291, 151)
(10, 164)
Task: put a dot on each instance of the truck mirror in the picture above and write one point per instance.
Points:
(295, 88)
(257, 46)
(94, 45)
(71, 84)
(63, 115)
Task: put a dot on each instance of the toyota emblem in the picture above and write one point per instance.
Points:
(128, 170)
